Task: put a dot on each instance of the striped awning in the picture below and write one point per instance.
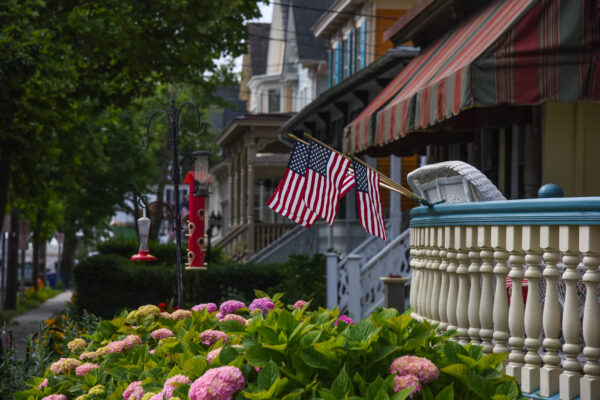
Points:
(519, 52)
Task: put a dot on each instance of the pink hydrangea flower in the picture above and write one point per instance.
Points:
(134, 391)
(264, 303)
(162, 333)
(165, 314)
(211, 336)
(344, 318)
(89, 355)
(407, 381)
(422, 368)
(85, 369)
(231, 306)
(300, 304)
(217, 384)
(210, 357)
(209, 307)
(173, 382)
(152, 351)
(181, 314)
(132, 340)
(76, 344)
(235, 317)
(55, 397)
(43, 384)
(64, 365)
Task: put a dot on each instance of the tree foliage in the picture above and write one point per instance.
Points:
(74, 79)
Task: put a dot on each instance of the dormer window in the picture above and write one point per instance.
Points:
(274, 100)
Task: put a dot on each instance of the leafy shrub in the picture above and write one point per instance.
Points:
(287, 353)
(165, 253)
(105, 284)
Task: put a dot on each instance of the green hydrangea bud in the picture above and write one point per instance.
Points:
(97, 390)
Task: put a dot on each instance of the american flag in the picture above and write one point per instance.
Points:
(287, 199)
(369, 200)
(347, 184)
(324, 178)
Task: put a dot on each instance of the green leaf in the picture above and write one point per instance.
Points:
(286, 321)
(227, 355)
(315, 359)
(361, 330)
(402, 395)
(510, 389)
(382, 352)
(451, 349)
(457, 370)
(446, 393)
(382, 395)
(233, 326)
(194, 366)
(468, 361)
(90, 379)
(119, 373)
(481, 386)
(106, 329)
(259, 294)
(374, 387)
(267, 376)
(268, 335)
(310, 338)
(258, 356)
(342, 385)
(491, 360)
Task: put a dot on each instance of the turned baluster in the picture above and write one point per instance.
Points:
(422, 273)
(414, 261)
(475, 292)
(428, 281)
(443, 300)
(516, 310)
(551, 316)
(589, 244)
(462, 273)
(500, 295)
(569, 379)
(486, 306)
(437, 235)
(452, 281)
(530, 375)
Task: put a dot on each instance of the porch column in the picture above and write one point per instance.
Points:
(242, 192)
(250, 156)
(395, 198)
(231, 195)
(350, 216)
(261, 201)
(532, 174)
(235, 198)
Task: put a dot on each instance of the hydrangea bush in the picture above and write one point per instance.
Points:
(278, 352)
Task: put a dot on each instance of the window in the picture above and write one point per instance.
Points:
(339, 63)
(362, 49)
(274, 98)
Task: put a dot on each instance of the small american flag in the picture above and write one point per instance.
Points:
(369, 200)
(324, 178)
(347, 184)
(287, 199)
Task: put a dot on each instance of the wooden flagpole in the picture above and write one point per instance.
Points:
(383, 178)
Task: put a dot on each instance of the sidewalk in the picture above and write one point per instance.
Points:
(30, 322)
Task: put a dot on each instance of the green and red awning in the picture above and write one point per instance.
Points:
(519, 52)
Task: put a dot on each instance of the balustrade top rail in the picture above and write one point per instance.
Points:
(556, 211)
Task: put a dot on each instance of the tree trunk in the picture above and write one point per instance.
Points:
(10, 301)
(68, 255)
(42, 264)
(4, 179)
(35, 261)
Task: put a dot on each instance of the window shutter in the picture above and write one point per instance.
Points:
(354, 46)
(330, 54)
(363, 44)
(339, 63)
(349, 54)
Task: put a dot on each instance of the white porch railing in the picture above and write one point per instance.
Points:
(462, 255)
(354, 286)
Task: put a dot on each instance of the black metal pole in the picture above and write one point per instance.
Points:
(174, 139)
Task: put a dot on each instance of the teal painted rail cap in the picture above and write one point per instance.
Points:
(550, 190)
(549, 211)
